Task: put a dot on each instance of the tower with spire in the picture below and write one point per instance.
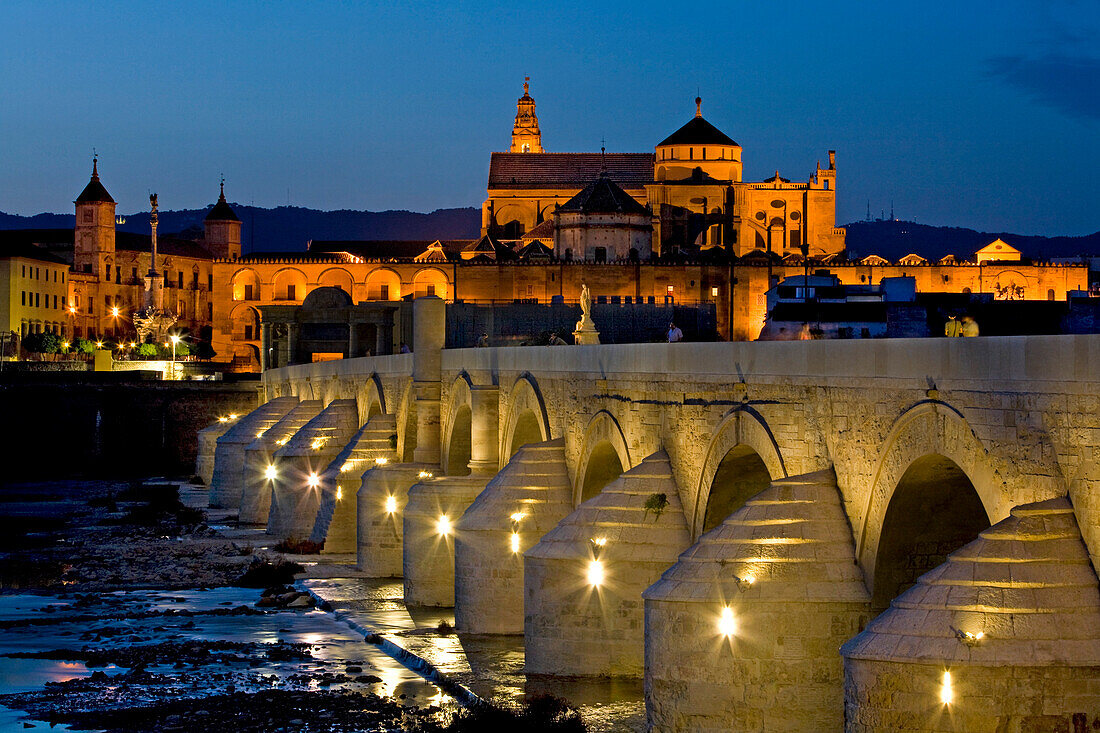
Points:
(222, 230)
(526, 137)
(94, 234)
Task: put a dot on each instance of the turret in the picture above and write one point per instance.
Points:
(222, 230)
(94, 234)
(526, 137)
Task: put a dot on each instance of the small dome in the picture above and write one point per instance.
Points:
(697, 132)
(603, 196)
(222, 211)
(94, 192)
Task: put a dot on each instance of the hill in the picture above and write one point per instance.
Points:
(895, 239)
(289, 228)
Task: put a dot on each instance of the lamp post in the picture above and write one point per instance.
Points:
(175, 339)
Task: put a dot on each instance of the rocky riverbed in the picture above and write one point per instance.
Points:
(123, 610)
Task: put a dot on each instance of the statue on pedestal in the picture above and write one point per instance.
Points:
(585, 332)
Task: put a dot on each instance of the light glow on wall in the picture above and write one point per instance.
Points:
(443, 526)
(270, 473)
(947, 694)
(515, 542)
(339, 493)
(727, 625)
(313, 481)
(425, 474)
(391, 504)
(595, 573)
(381, 461)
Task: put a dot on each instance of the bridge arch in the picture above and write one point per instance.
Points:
(743, 458)
(458, 430)
(934, 482)
(526, 420)
(406, 424)
(604, 457)
(371, 398)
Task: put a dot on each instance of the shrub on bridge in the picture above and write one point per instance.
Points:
(83, 346)
(42, 343)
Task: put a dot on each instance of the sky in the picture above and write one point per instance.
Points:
(976, 114)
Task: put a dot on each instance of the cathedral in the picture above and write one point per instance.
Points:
(691, 187)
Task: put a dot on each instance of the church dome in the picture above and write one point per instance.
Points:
(697, 131)
(603, 196)
(94, 192)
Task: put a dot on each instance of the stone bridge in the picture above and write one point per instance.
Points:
(818, 535)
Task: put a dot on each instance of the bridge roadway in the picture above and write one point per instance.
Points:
(722, 518)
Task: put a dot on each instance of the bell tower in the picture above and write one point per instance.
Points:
(94, 234)
(526, 137)
(222, 229)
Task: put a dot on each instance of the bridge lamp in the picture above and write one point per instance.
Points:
(348, 465)
(744, 583)
(317, 443)
(114, 312)
(947, 692)
(969, 638)
(425, 474)
(443, 526)
(223, 419)
(515, 542)
(391, 504)
(269, 473)
(99, 344)
(232, 416)
(727, 625)
(339, 493)
(260, 434)
(381, 461)
(313, 481)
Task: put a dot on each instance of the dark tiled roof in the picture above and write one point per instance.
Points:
(542, 230)
(603, 196)
(167, 246)
(697, 132)
(568, 170)
(535, 250)
(16, 247)
(384, 249)
(222, 211)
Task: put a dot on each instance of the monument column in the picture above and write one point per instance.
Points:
(429, 329)
(154, 282)
(484, 413)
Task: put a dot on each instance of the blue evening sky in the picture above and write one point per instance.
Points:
(979, 114)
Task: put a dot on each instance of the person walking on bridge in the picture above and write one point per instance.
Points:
(675, 335)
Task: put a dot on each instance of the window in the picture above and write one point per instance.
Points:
(63, 306)
(181, 279)
(55, 302)
(55, 275)
(24, 299)
(827, 188)
(37, 300)
(671, 289)
(291, 292)
(248, 333)
(24, 270)
(209, 281)
(194, 279)
(62, 276)
(133, 274)
(106, 301)
(714, 292)
(431, 290)
(704, 153)
(1050, 294)
(383, 294)
(691, 153)
(209, 311)
(107, 274)
(87, 215)
(599, 254)
(36, 273)
(248, 292)
(118, 273)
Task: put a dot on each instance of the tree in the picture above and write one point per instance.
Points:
(83, 346)
(147, 350)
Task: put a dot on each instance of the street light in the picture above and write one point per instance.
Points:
(175, 340)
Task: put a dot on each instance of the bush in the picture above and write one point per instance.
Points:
(264, 574)
(42, 343)
(147, 350)
(295, 546)
(83, 346)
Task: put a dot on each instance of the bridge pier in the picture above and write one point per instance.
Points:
(380, 507)
(742, 632)
(428, 536)
(208, 446)
(260, 455)
(335, 523)
(296, 493)
(488, 561)
(583, 613)
(1027, 587)
(227, 480)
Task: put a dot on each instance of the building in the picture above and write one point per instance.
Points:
(34, 290)
(692, 184)
(105, 269)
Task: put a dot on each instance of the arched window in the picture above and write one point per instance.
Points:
(1050, 294)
